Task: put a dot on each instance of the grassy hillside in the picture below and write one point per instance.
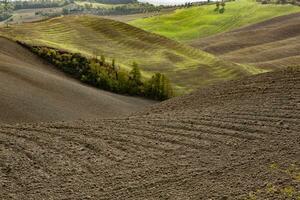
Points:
(270, 44)
(198, 22)
(185, 66)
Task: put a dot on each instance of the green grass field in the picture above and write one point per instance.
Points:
(198, 22)
(187, 67)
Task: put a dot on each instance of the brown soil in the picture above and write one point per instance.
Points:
(271, 44)
(236, 140)
(33, 91)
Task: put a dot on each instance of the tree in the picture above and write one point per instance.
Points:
(217, 6)
(102, 60)
(158, 87)
(135, 81)
(222, 4)
(7, 10)
(135, 74)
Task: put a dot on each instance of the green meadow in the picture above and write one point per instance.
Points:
(197, 22)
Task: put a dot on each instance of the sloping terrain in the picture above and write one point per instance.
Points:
(271, 44)
(238, 140)
(33, 91)
(187, 67)
(29, 15)
(197, 22)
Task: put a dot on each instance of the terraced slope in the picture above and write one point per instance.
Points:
(33, 91)
(198, 22)
(238, 140)
(188, 68)
(271, 44)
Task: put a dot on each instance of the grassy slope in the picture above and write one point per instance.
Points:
(199, 22)
(185, 66)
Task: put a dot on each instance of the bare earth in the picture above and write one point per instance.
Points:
(33, 91)
(236, 140)
(270, 44)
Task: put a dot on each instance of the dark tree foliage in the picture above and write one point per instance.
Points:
(159, 87)
(116, 1)
(135, 80)
(104, 75)
(6, 8)
(39, 4)
(124, 9)
(294, 2)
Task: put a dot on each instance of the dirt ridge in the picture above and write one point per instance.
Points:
(235, 140)
(34, 91)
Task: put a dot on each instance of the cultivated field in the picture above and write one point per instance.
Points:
(202, 21)
(270, 44)
(33, 91)
(227, 140)
(187, 67)
(238, 140)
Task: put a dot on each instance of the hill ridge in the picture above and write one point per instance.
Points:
(187, 67)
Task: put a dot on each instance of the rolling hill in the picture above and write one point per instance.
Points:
(238, 140)
(202, 21)
(187, 67)
(270, 44)
(33, 91)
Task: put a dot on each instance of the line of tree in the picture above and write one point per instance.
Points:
(125, 9)
(106, 75)
(115, 1)
(40, 4)
(220, 6)
(294, 2)
(200, 3)
(6, 9)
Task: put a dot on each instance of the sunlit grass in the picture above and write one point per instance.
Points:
(198, 22)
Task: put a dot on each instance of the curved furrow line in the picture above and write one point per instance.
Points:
(26, 165)
(23, 146)
(75, 138)
(135, 142)
(29, 137)
(47, 164)
(271, 119)
(89, 143)
(152, 136)
(244, 119)
(55, 147)
(222, 130)
(262, 113)
(248, 124)
(138, 188)
(9, 182)
(187, 133)
(116, 136)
